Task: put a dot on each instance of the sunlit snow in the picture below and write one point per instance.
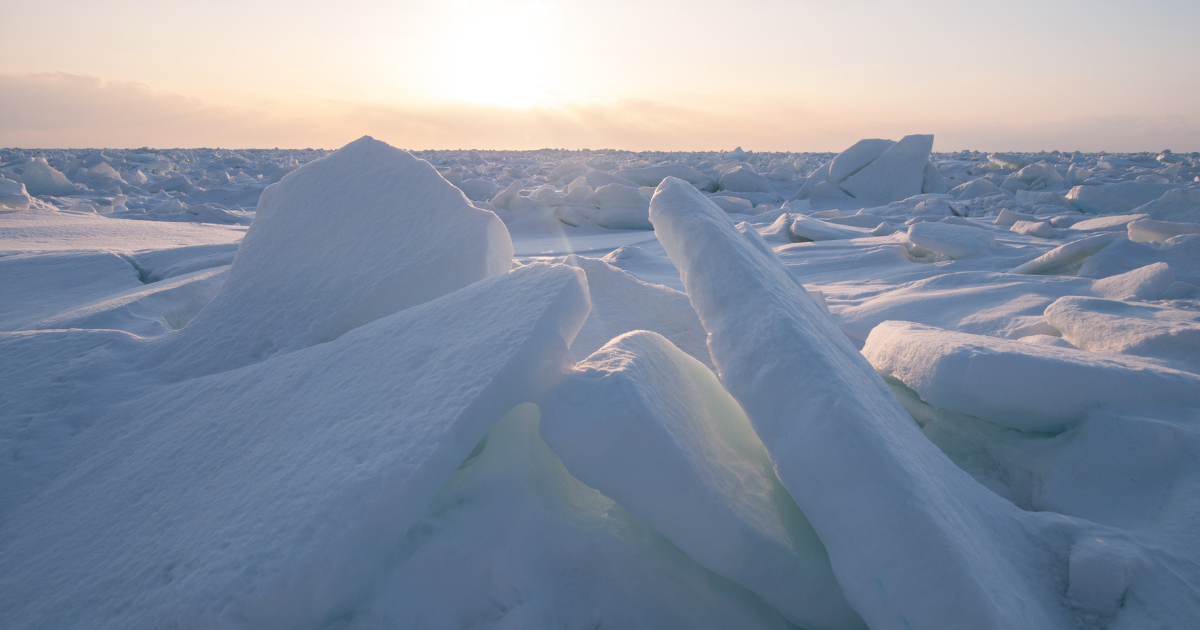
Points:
(372, 388)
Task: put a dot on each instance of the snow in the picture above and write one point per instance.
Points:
(145, 310)
(1096, 201)
(856, 158)
(743, 179)
(13, 195)
(266, 494)
(1040, 229)
(1110, 223)
(652, 428)
(952, 241)
(513, 540)
(898, 173)
(155, 265)
(1144, 330)
(874, 173)
(42, 179)
(1181, 205)
(810, 229)
(622, 303)
(37, 286)
(406, 223)
(941, 528)
(1151, 231)
(1008, 217)
(653, 175)
(731, 204)
(618, 196)
(975, 189)
(1066, 255)
(220, 368)
(44, 229)
(1022, 386)
(1144, 283)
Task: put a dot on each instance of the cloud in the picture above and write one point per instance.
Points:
(67, 110)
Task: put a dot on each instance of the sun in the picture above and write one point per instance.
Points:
(497, 56)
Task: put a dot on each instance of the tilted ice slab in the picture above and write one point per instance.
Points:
(744, 179)
(268, 496)
(898, 173)
(1067, 255)
(1020, 385)
(513, 540)
(857, 157)
(1150, 231)
(1181, 253)
(42, 179)
(1168, 334)
(342, 241)
(1181, 204)
(652, 428)
(622, 303)
(952, 241)
(810, 229)
(1094, 200)
(1143, 283)
(914, 541)
(13, 195)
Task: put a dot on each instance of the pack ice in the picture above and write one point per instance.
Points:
(887, 387)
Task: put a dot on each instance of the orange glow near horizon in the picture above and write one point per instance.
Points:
(639, 75)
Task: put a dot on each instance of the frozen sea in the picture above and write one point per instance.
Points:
(885, 388)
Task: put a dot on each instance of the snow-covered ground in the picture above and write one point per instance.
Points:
(884, 388)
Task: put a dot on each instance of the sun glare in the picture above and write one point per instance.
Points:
(496, 56)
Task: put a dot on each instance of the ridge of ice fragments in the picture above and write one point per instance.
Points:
(513, 540)
(914, 540)
(622, 303)
(898, 173)
(651, 428)
(342, 241)
(42, 179)
(270, 496)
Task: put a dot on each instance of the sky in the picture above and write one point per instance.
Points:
(767, 75)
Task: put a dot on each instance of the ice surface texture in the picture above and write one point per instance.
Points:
(265, 496)
(513, 540)
(342, 241)
(1067, 390)
(652, 428)
(1019, 385)
(913, 540)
